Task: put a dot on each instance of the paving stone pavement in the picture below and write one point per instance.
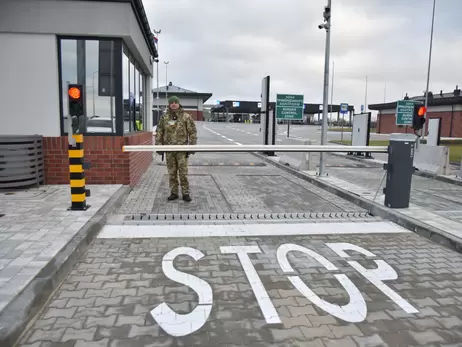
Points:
(232, 189)
(35, 227)
(107, 298)
(439, 197)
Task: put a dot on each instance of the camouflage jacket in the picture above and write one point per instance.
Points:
(179, 131)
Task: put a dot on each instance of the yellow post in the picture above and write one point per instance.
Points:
(77, 175)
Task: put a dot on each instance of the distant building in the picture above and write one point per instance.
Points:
(192, 102)
(239, 111)
(447, 106)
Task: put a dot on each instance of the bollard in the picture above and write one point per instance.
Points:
(400, 168)
(77, 175)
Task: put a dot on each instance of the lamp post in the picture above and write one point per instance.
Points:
(326, 25)
(157, 32)
(425, 127)
(166, 83)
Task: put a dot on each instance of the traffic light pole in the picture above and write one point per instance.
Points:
(425, 127)
(76, 102)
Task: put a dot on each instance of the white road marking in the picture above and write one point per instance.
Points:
(176, 324)
(263, 299)
(268, 229)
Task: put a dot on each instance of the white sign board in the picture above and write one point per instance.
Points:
(359, 130)
(236, 103)
(433, 127)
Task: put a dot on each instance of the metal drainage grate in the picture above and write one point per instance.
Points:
(251, 217)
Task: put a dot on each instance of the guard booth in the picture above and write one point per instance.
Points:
(72, 45)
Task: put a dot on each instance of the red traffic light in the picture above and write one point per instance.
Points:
(74, 92)
(421, 111)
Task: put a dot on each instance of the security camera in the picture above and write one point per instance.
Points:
(320, 26)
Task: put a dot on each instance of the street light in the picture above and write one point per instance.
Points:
(326, 25)
(428, 73)
(157, 32)
(166, 83)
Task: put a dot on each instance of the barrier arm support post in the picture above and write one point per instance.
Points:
(400, 168)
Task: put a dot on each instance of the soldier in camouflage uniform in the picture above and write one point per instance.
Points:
(177, 128)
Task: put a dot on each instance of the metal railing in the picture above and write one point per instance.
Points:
(254, 148)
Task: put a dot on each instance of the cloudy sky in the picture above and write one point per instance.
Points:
(227, 47)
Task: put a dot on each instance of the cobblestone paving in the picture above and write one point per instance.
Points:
(232, 189)
(107, 299)
(441, 198)
(35, 227)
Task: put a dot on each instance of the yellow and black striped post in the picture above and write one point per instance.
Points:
(77, 175)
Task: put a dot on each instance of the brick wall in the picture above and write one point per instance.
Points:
(450, 120)
(109, 165)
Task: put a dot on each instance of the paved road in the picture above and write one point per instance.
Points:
(257, 259)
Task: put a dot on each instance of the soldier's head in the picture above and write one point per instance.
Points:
(174, 103)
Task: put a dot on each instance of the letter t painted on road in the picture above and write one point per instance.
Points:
(259, 290)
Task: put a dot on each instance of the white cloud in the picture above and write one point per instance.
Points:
(227, 47)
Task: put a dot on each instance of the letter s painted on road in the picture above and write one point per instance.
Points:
(184, 324)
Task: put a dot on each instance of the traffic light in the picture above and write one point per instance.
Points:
(418, 119)
(76, 100)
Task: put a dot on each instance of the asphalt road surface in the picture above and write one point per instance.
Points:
(258, 258)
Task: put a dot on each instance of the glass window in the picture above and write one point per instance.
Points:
(126, 89)
(132, 95)
(138, 119)
(91, 63)
(142, 102)
(100, 91)
(68, 74)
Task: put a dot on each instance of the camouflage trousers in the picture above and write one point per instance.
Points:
(177, 165)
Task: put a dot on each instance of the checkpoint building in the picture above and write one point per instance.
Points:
(192, 102)
(240, 111)
(446, 106)
(106, 46)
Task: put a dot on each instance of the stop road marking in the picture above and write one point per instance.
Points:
(355, 311)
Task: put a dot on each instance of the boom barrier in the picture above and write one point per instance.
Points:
(254, 148)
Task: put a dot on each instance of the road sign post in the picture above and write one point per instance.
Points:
(343, 111)
(289, 107)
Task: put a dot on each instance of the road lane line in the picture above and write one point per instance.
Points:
(265, 229)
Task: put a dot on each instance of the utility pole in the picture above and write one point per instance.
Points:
(157, 32)
(332, 91)
(327, 26)
(365, 98)
(425, 127)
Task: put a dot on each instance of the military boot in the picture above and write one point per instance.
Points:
(173, 196)
(187, 198)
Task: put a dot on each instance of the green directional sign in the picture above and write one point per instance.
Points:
(404, 112)
(289, 106)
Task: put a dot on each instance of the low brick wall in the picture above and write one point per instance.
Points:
(109, 165)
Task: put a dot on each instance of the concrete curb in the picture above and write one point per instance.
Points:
(416, 172)
(16, 317)
(375, 209)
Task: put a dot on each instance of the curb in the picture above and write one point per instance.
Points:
(416, 172)
(375, 209)
(16, 317)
